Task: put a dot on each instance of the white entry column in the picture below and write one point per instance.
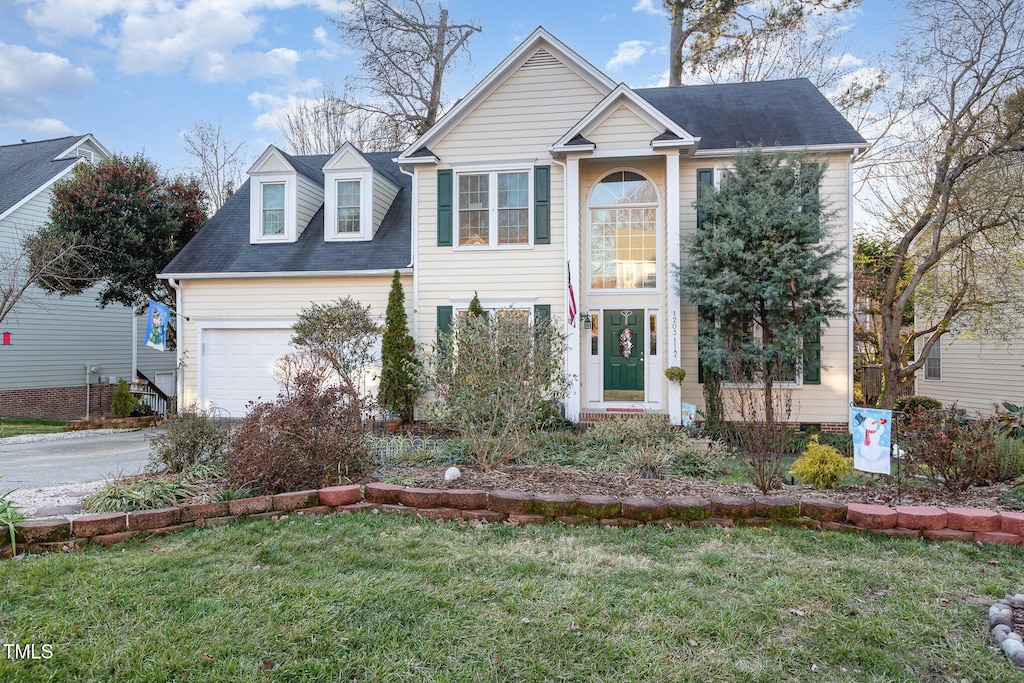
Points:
(673, 247)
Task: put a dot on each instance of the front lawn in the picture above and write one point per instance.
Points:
(16, 426)
(384, 598)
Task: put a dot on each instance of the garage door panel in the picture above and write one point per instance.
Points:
(238, 366)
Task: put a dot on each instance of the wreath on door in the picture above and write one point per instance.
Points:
(626, 342)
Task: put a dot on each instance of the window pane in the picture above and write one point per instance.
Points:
(653, 335)
(273, 208)
(595, 334)
(348, 193)
(623, 248)
(624, 187)
(273, 195)
(348, 220)
(474, 209)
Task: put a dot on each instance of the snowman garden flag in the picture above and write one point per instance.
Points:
(156, 326)
(872, 439)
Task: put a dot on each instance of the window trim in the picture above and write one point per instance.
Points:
(365, 180)
(290, 233)
(658, 230)
(492, 173)
(934, 354)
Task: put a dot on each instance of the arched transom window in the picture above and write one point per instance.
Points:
(623, 232)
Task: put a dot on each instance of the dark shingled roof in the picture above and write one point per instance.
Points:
(222, 246)
(26, 167)
(791, 113)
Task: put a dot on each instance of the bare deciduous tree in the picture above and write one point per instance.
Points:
(36, 257)
(323, 124)
(945, 180)
(406, 47)
(706, 34)
(220, 162)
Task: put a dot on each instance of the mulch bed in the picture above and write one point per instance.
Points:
(578, 481)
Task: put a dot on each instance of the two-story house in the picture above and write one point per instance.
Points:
(61, 356)
(546, 173)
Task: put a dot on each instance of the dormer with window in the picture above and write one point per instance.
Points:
(356, 197)
(284, 195)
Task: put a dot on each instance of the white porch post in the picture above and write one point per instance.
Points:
(572, 257)
(671, 263)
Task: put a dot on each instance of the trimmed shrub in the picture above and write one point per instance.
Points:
(950, 449)
(122, 403)
(908, 404)
(308, 439)
(821, 465)
(190, 438)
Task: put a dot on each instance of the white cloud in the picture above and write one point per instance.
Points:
(628, 52)
(214, 67)
(651, 7)
(70, 17)
(43, 126)
(608, 17)
(28, 81)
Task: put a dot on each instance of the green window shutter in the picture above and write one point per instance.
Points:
(705, 183)
(444, 320)
(812, 357)
(542, 205)
(444, 208)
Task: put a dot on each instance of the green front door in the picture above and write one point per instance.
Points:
(624, 355)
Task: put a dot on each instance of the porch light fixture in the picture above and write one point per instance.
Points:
(588, 322)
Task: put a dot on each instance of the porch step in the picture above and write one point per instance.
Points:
(590, 419)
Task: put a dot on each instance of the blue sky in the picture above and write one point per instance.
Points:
(136, 73)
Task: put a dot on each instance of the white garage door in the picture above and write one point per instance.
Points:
(238, 366)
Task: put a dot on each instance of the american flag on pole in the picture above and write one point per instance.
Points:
(572, 298)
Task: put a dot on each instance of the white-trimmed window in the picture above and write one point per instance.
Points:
(493, 208)
(272, 219)
(349, 207)
(933, 363)
(624, 233)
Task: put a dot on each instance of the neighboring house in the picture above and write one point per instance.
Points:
(50, 341)
(546, 170)
(974, 374)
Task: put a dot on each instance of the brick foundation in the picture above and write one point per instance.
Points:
(56, 403)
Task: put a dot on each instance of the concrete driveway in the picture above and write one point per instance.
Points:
(72, 458)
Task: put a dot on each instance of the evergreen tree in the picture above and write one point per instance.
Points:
(475, 309)
(761, 270)
(400, 374)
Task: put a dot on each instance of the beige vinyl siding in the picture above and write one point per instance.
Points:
(519, 120)
(269, 300)
(829, 401)
(53, 338)
(383, 194)
(976, 374)
(310, 199)
(623, 129)
(528, 112)
(447, 273)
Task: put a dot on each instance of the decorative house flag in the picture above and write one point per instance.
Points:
(872, 440)
(689, 412)
(156, 326)
(572, 298)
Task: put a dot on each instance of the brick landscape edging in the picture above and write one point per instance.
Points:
(518, 508)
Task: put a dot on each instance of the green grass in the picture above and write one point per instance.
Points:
(381, 598)
(16, 426)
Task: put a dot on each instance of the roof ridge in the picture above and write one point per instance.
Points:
(40, 142)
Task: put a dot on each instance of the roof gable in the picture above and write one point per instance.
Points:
(622, 97)
(30, 167)
(540, 49)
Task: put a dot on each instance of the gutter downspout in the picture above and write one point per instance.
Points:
(179, 322)
(414, 202)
